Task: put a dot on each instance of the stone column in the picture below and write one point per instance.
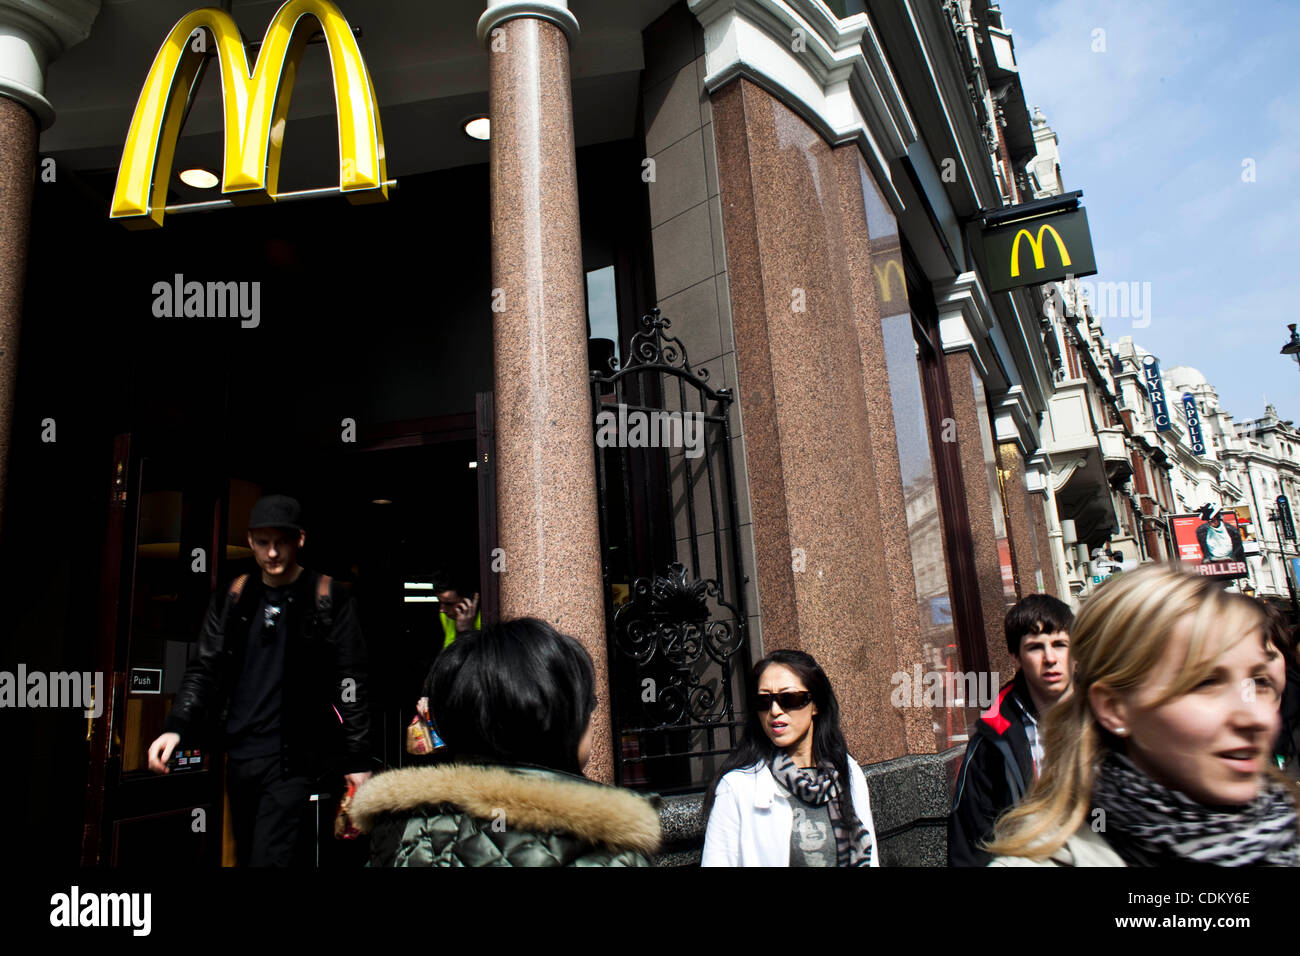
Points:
(32, 33)
(1024, 550)
(979, 508)
(833, 560)
(546, 481)
(1045, 477)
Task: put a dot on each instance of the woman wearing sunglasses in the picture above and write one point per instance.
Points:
(790, 795)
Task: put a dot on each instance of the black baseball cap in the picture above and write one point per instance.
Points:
(276, 511)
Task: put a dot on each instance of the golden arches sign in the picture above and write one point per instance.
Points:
(892, 267)
(255, 105)
(1036, 245)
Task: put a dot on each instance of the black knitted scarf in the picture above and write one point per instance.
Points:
(1148, 824)
(820, 786)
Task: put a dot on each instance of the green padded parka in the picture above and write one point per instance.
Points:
(460, 814)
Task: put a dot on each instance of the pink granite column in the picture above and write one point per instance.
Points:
(979, 508)
(1016, 498)
(546, 483)
(832, 555)
(18, 135)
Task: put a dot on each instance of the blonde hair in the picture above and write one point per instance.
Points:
(1119, 637)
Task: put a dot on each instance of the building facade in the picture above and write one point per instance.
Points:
(1262, 458)
(764, 213)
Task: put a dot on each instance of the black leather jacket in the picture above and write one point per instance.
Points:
(324, 717)
(996, 773)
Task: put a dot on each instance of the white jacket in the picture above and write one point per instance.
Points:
(752, 818)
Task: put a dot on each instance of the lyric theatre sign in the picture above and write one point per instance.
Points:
(255, 105)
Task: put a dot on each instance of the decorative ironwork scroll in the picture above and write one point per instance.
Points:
(674, 578)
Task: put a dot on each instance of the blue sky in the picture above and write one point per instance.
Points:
(1154, 130)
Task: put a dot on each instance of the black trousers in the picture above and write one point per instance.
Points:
(275, 822)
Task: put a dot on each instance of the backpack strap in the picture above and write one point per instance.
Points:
(1015, 779)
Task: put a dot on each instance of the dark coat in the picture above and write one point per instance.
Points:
(324, 721)
(997, 772)
(461, 814)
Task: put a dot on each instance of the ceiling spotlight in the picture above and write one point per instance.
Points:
(478, 128)
(381, 501)
(199, 178)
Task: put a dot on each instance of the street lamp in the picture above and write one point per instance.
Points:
(1292, 348)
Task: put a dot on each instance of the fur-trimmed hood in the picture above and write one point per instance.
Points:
(531, 799)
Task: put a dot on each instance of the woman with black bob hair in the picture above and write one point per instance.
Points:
(514, 704)
(790, 795)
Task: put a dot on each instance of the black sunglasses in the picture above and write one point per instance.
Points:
(788, 699)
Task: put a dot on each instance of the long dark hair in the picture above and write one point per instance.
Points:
(827, 738)
(515, 692)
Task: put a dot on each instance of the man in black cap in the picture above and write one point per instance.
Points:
(1219, 540)
(281, 678)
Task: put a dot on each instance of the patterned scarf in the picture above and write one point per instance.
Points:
(821, 787)
(1150, 825)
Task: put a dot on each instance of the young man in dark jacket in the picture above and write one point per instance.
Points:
(1005, 754)
(280, 680)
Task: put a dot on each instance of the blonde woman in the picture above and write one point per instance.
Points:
(1162, 755)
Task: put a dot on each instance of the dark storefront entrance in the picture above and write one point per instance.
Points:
(386, 518)
(361, 377)
(339, 383)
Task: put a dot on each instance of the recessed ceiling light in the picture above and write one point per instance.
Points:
(381, 501)
(478, 128)
(199, 178)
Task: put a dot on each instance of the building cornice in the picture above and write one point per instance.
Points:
(1014, 420)
(552, 11)
(32, 34)
(965, 317)
(934, 67)
(1038, 471)
(832, 72)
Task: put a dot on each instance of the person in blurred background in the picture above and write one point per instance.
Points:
(1163, 755)
(1006, 754)
(514, 704)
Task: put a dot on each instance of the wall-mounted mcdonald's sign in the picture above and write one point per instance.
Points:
(255, 104)
(1037, 242)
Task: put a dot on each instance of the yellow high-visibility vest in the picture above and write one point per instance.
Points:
(449, 627)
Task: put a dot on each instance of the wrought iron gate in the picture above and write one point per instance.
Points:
(674, 579)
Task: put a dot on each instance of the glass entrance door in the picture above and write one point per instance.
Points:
(183, 532)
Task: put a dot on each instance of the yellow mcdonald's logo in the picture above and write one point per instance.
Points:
(890, 268)
(255, 105)
(1037, 246)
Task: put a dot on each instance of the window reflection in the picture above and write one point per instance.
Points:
(602, 314)
(995, 488)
